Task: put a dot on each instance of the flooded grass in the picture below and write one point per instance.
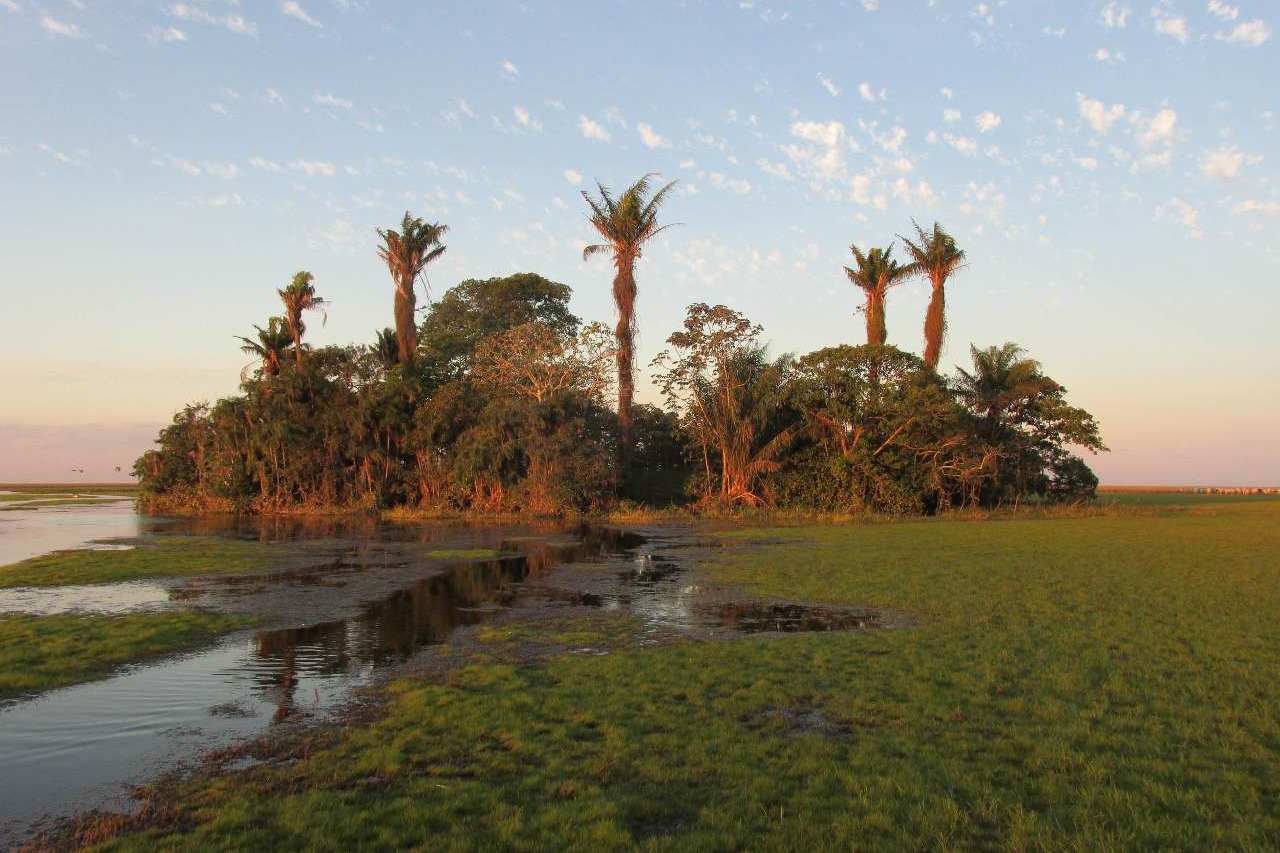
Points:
(43, 652)
(1077, 683)
(153, 557)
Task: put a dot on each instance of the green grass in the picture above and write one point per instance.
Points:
(42, 652)
(1068, 684)
(1177, 498)
(35, 489)
(166, 556)
(464, 553)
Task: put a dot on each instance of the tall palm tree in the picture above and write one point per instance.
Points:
(386, 348)
(406, 253)
(300, 296)
(877, 272)
(1002, 377)
(270, 346)
(934, 254)
(626, 223)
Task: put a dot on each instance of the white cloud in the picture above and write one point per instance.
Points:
(988, 122)
(220, 108)
(1099, 116)
(1172, 26)
(508, 69)
(60, 156)
(1115, 16)
(871, 5)
(1108, 57)
(778, 170)
(828, 134)
(293, 9)
(1160, 129)
(868, 93)
(330, 100)
(1225, 163)
(1252, 33)
(947, 93)
(54, 27)
(1265, 208)
(951, 116)
(593, 130)
(524, 119)
(1223, 11)
(314, 168)
(225, 171)
(271, 96)
(573, 176)
(223, 200)
(264, 164)
(234, 23)
(651, 138)
(966, 146)
(827, 83)
(1089, 164)
(734, 185)
(168, 35)
(11, 5)
(1183, 213)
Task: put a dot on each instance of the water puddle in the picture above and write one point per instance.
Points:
(131, 597)
(75, 748)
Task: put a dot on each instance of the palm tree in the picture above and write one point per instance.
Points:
(406, 253)
(386, 348)
(935, 256)
(271, 346)
(1002, 377)
(626, 223)
(300, 296)
(877, 272)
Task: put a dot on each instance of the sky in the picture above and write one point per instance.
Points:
(1109, 167)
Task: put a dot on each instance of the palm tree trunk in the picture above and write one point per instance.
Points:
(877, 334)
(935, 327)
(406, 332)
(624, 297)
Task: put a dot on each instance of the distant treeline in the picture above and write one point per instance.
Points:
(495, 400)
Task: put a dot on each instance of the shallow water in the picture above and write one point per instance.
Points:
(77, 747)
(30, 532)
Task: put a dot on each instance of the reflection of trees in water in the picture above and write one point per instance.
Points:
(424, 613)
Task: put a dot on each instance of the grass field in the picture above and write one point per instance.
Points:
(42, 652)
(1086, 684)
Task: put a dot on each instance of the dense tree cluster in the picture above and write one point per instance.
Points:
(497, 400)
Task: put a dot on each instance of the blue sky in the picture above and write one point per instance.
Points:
(1110, 167)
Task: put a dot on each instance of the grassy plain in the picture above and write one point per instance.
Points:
(1090, 683)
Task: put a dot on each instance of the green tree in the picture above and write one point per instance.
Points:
(269, 346)
(476, 308)
(730, 397)
(934, 255)
(876, 273)
(626, 224)
(1024, 418)
(386, 348)
(300, 296)
(406, 253)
